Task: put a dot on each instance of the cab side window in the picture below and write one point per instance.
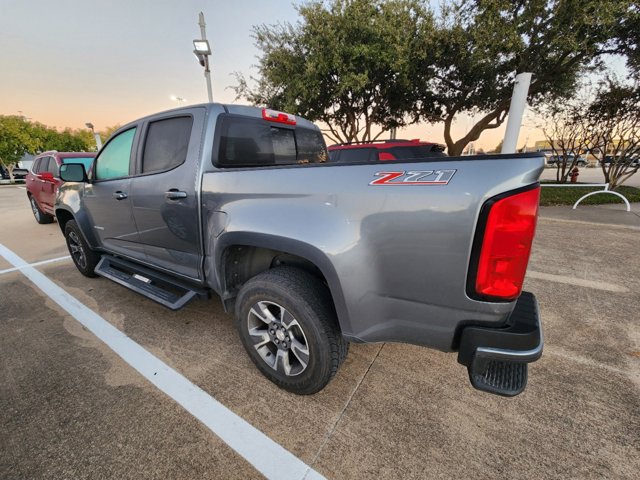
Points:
(166, 144)
(37, 164)
(52, 167)
(114, 160)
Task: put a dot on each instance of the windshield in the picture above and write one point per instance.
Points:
(86, 161)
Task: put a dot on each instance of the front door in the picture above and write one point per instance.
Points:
(164, 192)
(107, 197)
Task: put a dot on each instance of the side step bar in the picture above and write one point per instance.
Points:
(154, 285)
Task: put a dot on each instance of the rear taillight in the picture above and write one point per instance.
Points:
(506, 245)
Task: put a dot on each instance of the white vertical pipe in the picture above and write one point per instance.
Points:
(516, 110)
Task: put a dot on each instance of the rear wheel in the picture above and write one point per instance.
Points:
(288, 326)
(84, 258)
(40, 216)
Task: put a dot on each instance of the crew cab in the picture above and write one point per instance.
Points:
(308, 254)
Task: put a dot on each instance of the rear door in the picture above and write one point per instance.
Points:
(107, 197)
(34, 183)
(165, 192)
(49, 187)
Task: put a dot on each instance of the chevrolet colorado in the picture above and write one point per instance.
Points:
(311, 255)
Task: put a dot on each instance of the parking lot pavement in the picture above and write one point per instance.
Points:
(70, 407)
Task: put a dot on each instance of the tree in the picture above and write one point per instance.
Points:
(356, 64)
(566, 130)
(480, 45)
(68, 140)
(108, 131)
(613, 126)
(16, 139)
(348, 64)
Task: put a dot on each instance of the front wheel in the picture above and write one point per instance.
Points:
(289, 328)
(84, 258)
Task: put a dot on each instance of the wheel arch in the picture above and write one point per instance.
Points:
(240, 256)
(63, 215)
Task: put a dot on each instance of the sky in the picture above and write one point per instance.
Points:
(68, 62)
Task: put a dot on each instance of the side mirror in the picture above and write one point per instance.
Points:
(73, 172)
(48, 176)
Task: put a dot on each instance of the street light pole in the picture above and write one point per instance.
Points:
(89, 125)
(207, 72)
(516, 110)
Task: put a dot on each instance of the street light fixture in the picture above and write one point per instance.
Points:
(89, 125)
(202, 47)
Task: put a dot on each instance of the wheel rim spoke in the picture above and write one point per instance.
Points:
(282, 364)
(76, 250)
(301, 352)
(259, 336)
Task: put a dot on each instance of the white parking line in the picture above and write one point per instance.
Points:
(43, 262)
(266, 456)
(578, 282)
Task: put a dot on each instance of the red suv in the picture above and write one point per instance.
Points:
(363, 152)
(43, 180)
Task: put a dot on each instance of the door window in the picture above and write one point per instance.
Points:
(37, 164)
(166, 144)
(113, 161)
(52, 167)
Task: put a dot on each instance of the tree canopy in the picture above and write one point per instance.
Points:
(366, 65)
(19, 136)
(347, 64)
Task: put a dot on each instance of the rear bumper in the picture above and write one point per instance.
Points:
(519, 341)
(497, 358)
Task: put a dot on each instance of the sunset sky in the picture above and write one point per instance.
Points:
(66, 62)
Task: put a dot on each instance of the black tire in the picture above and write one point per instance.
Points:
(40, 216)
(309, 304)
(84, 258)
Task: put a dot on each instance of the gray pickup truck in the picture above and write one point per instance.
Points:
(311, 255)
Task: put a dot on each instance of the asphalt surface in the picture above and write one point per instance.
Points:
(71, 408)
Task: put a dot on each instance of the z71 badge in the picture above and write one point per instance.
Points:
(425, 177)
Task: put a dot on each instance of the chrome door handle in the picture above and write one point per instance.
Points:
(120, 195)
(175, 194)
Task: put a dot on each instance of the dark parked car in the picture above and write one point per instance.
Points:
(44, 179)
(18, 173)
(364, 152)
(556, 159)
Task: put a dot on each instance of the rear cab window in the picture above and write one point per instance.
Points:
(416, 151)
(357, 155)
(254, 142)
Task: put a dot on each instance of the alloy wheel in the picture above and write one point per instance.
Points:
(35, 209)
(77, 252)
(278, 338)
